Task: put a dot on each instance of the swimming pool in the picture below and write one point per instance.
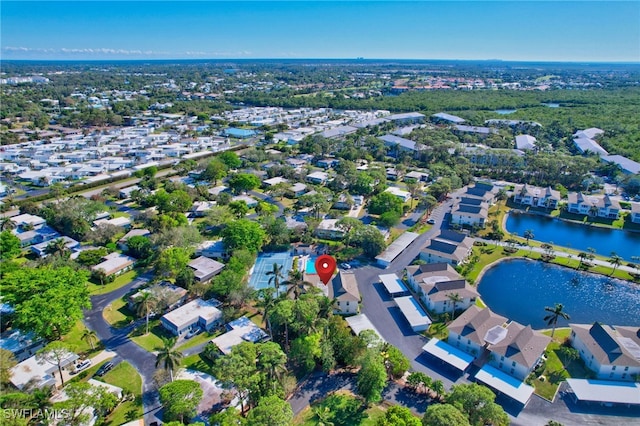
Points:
(264, 263)
(310, 268)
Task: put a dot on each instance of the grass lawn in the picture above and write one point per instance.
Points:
(438, 330)
(74, 339)
(197, 362)
(120, 280)
(118, 314)
(555, 371)
(342, 408)
(560, 335)
(153, 341)
(125, 376)
(198, 339)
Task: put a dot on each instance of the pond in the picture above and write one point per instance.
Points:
(551, 105)
(576, 236)
(520, 289)
(505, 111)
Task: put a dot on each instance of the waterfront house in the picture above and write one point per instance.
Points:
(635, 212)
(593, 205)
(468, 331)
(536, 197)
(612, 352)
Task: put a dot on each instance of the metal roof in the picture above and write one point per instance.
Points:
(392, 283)
(449, 354)
(413, 312)
(505, 384)
(605, 391)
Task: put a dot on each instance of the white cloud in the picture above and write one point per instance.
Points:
(106, 52)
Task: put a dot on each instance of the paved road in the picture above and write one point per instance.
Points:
(117, 340)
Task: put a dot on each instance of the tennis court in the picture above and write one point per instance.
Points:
(264, 263)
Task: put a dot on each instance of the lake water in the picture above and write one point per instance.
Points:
(576, 236)
(520, 289)
(551, 105)
(505, 111)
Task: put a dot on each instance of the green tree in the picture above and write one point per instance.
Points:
(454, 298)
(444, 415)
(267, 302)
(215, 171)
(230, 159)
(372, 377)
(238, 369)
(243, 182)
(228, 417)
(176, 202)
(9, 245)
(397, 363)
(305, 351)
(180, 399)
(528, 235)
(385, 202)
(47, 300)
(429, 202)
(91, 257)
(55, 353)
(243, 234)
(6, 224)
(555, 314)
(272, 411)
(171, 261)
(389, 219)
(168, 356)
(145, 304)
(83, 396)
(398, 416)
(477, 402)
(615, 260)
(7, 362)
(239, 208)
(58, 247)
(275, 276)
(369, 239)
(90, 337)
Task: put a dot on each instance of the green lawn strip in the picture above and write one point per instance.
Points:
(197, 362)
(121, 280)
(74, 339)
(87, 374)
(126, 377)
(560, 334)
(198, 339)
(438, 330)
(118, 314)
(153, 341)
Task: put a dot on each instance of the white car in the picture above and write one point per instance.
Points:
(82, 365)
(345, 266)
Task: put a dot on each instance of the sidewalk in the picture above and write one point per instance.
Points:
(102, 356)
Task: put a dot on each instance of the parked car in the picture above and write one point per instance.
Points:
(82, 365)
(106, 367)
(192, 332)
(345, 265)
(431, 221)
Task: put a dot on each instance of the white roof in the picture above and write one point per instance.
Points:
(40, 370)
(525, 142)
(397, 247)
(361, 322)
(505, 384)
(275, 180)
(191, 312)
(605, 391)
(398, 192)
(392, 283)
(242, 330)
(449, 354)
(318, 175)
(412, 311)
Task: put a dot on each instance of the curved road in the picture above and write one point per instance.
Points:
(117, 340)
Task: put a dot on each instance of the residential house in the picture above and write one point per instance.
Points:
(204, 268)
(343, 202)
(418, 176)
(635, 212)
(403, 195)
(114, 264)
(274, 181)
(399, 144)
(197, 313)
(28, 221)
(21, 345)
(516, 349)
(171, 295)
(38, 372)
(468, 214)
(536, 197)
(328, 229)
(238, 331)
(251, 202)
(297, 189)
(319, 178)
(215, 191)
(40, 249)
(406, 118)
(612, 352)
(327, 163)
(122, 242)
(600, 205)
(525, 142)
(436, 282)
(343, 288)
(468, 331)
(200, 208)
(447, 118)
(125, 193)
(120, 222)
(627, 166)
(212, 249)
(36, 236)
(447, 247)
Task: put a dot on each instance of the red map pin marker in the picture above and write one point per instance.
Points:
(325, 267)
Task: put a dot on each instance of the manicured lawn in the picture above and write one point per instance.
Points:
(153, 341)
(125, 376)
(203, 337)
(120, 280)
(438, 330)
(342, 409)
(81, 347)
(555, 371)
(197, 362)
(118, 314)
(560, 335)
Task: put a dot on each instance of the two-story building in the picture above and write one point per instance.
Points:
(197, 313)
(447, 247)
(613, 353)
(436, 283)
(468, 331)
(343, 288)
(535, 196)
(593, 205)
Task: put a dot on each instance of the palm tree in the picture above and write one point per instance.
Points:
(169, 356)
(145, 305)
(324, 416)
(582, 256)
(266, 301)
(528, 235)
(555, 313)
(57, 246)
(90, 337)
(6, 224)
(455, 299)
(275, 275)
(615, 260)
(296, 284)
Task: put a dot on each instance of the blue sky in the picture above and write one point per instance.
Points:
(507, 30)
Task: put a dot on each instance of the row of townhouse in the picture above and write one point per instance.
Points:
(447, 247)
(600, 206)
(472, 207)
(535, 196)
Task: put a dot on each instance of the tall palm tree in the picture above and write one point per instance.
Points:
(90, 337)
(615, 260)
(267, 302)
(582, 256)
(555, 313)
(275, 275)
(528, 234)
(145, 305)
(296, 284)
(169, 356)
(6, 224)
(455, 299)
(57, 246)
